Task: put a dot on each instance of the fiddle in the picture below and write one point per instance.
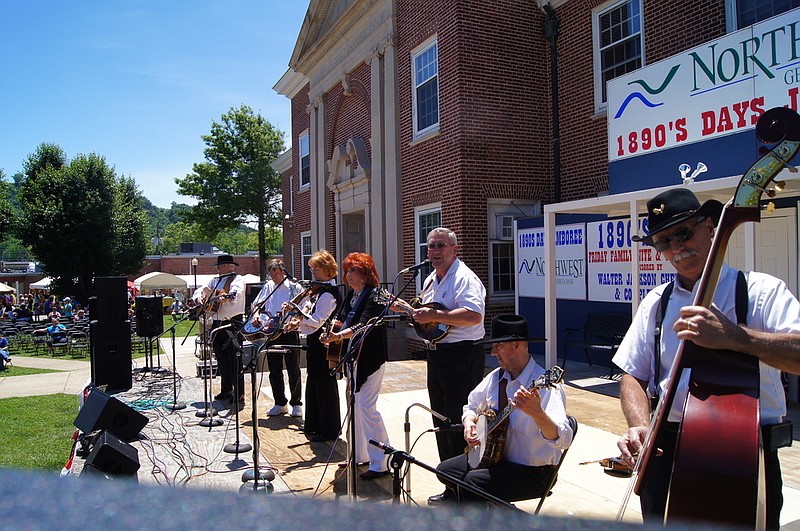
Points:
(293, 308)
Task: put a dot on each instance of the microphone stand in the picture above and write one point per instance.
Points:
(261, 480)
(236, 447)
(175, 405)
(399, 456)
(209, 413)
(407, 430)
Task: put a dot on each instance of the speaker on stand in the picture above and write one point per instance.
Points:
(150, 324)
(110, 334)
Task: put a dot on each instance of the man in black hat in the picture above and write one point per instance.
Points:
(224, 299)
(683, 229)
(537, 433)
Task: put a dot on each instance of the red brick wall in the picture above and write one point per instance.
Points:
(493, 116)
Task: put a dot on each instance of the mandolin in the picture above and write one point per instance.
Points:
(430, 332)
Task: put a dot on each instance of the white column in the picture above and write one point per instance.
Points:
(374, 213)
(391, 162)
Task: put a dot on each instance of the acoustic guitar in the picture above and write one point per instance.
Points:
(430, 332)
(492, 425)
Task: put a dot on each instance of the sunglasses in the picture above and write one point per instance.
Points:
(437, 245)
(679, 236)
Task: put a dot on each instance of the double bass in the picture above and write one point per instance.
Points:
(718, 469)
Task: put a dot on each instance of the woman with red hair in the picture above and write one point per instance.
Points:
(371, 353)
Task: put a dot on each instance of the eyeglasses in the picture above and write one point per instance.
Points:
(437, 245)
(679, 236)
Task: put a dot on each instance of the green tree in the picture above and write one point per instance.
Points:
(79, 219)
(237, 185)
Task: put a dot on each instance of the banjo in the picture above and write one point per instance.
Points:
(492, 425)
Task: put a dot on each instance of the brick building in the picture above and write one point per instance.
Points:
(412, 114)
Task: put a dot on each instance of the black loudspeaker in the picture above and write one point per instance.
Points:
(149, 315)
(250, 293)
(112, 456)
(110, 344)
(101, 411)
(112, 299)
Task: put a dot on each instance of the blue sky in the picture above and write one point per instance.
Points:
(139, 81)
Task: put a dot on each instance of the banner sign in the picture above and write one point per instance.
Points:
(716, 89)
(608, 269)
(570, 262)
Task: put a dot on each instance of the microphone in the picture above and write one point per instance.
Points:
(385, 447)
(288, 275)
(448, 427)
(415, 267)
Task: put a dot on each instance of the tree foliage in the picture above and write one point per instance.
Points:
(237, 184)
(79, 219)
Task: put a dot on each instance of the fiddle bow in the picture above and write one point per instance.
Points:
(718, 469)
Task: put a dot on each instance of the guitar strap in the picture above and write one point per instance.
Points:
(741, 303)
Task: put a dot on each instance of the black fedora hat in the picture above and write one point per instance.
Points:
(225, 259)
(509, 327)
(676, 206)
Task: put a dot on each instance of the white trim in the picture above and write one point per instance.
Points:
(305, 133)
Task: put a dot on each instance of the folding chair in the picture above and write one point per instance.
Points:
(573, 423)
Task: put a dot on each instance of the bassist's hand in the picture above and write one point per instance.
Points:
(631, 443)
(708, 328)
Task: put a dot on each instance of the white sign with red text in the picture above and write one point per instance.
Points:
(719, 88)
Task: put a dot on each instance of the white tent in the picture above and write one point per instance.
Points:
(42, 284)
(203, 280)
(5, 288)
(158, 280)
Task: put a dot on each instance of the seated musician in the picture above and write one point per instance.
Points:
(537, 432)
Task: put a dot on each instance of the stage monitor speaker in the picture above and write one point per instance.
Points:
(250, 293)
(113, 456)
(110, 343)
(112, 299)
(149, 315)
(102, 411)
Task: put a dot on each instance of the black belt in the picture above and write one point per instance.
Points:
(451, 346)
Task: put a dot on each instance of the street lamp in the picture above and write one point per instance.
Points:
(194, 269)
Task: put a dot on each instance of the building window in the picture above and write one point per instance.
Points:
(305, 252)
(502, 268)
(425, 73)
(428, 218)
(503, 272)
(749, 12)
(305, 161)
(617, 31)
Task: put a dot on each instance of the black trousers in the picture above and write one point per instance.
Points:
(322, 415)
(291, 359)
(507, 481)
(454, 369)
(227, 344)
(653, 497)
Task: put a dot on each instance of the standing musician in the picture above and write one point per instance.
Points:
(358, 308)
(226, 289)
(282, 290)
(455, 364)
(538, 431)
(323, 419)
(683, 230)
